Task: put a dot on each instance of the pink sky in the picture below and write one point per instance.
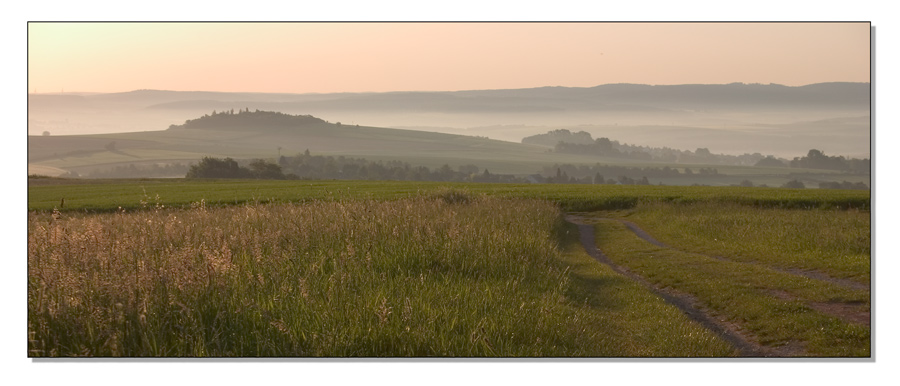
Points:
(361, 57)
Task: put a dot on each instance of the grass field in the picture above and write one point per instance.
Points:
(442, 275)
(776, 308)
(45, 194)
(336, 268)
(834, 242)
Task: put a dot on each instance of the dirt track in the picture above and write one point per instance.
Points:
(745, 345)
(684, 302)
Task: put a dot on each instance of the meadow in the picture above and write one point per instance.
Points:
(179, 268)
(46, 194)
(786, 312)
(444, 275)
(837, 243)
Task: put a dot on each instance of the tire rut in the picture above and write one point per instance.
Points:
(745, 346)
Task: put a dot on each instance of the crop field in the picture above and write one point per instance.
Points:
(179, 268)
(46, 194)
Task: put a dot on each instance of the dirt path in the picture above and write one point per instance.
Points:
(849, 312)
(685, 302)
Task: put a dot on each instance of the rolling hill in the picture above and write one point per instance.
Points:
(771, 119)
(262, 134)
(436, 128)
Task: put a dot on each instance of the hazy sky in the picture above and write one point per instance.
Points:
(358, 57)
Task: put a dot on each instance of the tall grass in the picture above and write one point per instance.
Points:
(450, 274)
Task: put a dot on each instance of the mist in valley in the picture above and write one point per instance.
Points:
(727, 119)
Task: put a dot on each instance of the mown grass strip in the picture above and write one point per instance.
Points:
(834, 242)
(745, 295)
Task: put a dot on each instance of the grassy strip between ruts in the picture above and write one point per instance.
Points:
(450, 274)
(835, 242)
(111, 195)
(771, 306)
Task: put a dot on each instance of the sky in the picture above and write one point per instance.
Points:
(381, 57)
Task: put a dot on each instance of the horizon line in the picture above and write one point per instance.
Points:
(439, 91)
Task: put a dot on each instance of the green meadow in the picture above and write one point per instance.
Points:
(45, 194)
(238, 268)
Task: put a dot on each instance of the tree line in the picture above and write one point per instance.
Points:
(610, 174)
(210, 167)
(817, 159)
(315, 167)
(565, 141)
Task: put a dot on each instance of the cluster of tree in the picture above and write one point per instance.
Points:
(843, 185)
(562, 177)
(770, 161)
(816, 159)
(564, 141)
(210, 167)
(133, 171)
(309, 166)
(229, 120)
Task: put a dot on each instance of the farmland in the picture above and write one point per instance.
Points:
(109, 195)
(348, 269)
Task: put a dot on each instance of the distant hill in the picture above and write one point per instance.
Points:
(266, 134)
(609, 97)
(730, 118)
(246, 135)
